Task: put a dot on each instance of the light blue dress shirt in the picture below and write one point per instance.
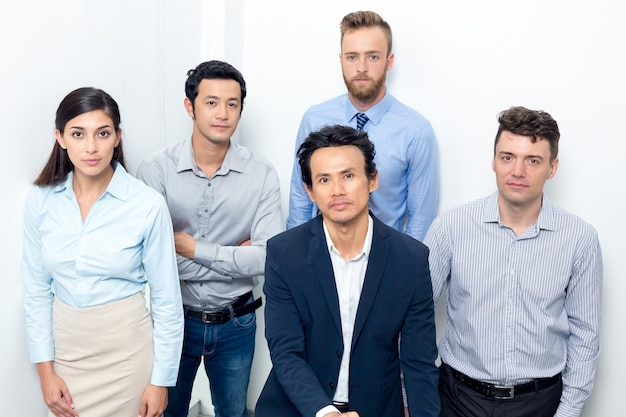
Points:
(406, 159)
(519, 307)
(125, 242)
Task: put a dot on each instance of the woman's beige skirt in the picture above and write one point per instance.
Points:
(104, 355)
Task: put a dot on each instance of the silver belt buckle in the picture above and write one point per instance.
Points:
(511, 392)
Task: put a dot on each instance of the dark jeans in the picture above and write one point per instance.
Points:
(227, 350)
(458, 400)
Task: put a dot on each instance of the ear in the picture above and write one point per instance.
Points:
(553, 168)
(493, 164)
(374, 183)
(390, 59)
(309, 191)
(189, 108)
(60, 140)
(119, 138)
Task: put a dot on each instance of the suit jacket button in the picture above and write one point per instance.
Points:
(339, 354)
(332, 386)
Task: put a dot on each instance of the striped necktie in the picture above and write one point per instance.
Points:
(361, 119)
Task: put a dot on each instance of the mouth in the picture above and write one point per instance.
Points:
(339, 205)
(517, 186)
(91, 162)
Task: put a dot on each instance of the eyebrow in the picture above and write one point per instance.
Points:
(364, 53)
(82, 128)
(525, 156)
(343, 171)
(220, 98)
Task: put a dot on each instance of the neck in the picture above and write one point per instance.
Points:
(91, 187)
(208, 155)
(364, 105)
(519, 218)
(349, 238)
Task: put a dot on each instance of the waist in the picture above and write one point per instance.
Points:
(237, 308)
(503, 392)
(105, 319)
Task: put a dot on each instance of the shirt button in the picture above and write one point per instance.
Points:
(209, 184)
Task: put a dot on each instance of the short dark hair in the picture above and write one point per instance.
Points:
(79, 101)
(536, 124)
(212, 70)
(366, 19)
(335, 136)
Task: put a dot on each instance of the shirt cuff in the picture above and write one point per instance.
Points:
(41, 352)
(326, 410)
(164, 377)
(205, 252)
(567, 411)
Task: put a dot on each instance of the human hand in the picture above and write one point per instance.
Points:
(348, 414)
(55, 393)
(185, 244)
(153, 401)
(246, 242)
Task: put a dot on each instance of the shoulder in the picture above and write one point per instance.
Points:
(472, 209)
(37, 196)
(168, 154)
(407, 115)
(328, 105)
(297, 240)
(254, 167)
(398, 241)
(571, 223)
(251, 157)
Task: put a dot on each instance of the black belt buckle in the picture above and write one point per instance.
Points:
(509, 396)
(215, 317)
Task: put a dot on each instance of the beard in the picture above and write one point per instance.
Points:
(365, 93)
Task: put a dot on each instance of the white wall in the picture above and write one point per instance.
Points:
(137, 51)
(457, 62)
(460, 63)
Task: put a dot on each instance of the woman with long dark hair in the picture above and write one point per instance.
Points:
(93, 237)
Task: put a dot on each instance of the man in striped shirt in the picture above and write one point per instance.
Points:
(523, 284)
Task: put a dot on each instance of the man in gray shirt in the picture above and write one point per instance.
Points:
(225, 204)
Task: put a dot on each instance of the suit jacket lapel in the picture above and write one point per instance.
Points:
(320, 258)
(373, 277)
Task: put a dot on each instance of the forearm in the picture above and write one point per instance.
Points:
(231, 261)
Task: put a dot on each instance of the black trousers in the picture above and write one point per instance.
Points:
(458, 400)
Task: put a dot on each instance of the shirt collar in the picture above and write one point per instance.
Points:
(374, 114)
(367, 244)
(545, 220)
(118, 186)
(232, 160)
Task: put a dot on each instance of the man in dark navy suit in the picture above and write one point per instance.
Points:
(340, 289)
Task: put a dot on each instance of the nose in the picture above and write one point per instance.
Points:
(222, 112)
(91, 144)
(519, 169)
(337, 188)
(362, 65)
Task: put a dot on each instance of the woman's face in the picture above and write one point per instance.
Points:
(90, 140)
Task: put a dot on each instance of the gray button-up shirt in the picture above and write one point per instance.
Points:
(241, 201)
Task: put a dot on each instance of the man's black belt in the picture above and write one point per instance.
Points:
(500, 392)
(240, 308)
(342, 407)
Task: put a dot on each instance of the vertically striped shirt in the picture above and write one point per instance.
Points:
(519, 307)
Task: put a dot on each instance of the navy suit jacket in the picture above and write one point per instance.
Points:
(303, 327)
